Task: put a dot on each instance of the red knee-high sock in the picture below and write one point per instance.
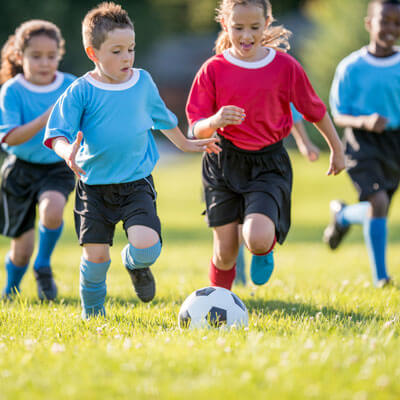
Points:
(221, 278)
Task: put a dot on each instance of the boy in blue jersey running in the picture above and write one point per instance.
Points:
(101, 126)
(365, 99)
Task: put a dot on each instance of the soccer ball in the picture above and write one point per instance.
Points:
(212, 307)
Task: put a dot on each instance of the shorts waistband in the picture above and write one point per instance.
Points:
(28, 164)
(272, 148)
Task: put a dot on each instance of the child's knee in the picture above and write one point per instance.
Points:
(143, 258)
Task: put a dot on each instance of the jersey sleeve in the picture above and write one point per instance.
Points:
(295, 114)
(304, 97)
(11, 112)
(201, 102)
(161, 116)
(65, 118)
(340, 94)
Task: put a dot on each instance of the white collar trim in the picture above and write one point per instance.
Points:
(250, 64)
(42, 88)
(380, 61)
(114, 86)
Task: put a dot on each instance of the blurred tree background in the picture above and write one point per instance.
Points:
(329, 30)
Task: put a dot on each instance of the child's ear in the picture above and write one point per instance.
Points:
(91, 53)
(367, 23)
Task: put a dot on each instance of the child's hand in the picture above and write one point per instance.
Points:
(70, 158)
(310, 151)
(336, 164)
(227, 115)
(375, 123)
(199, 145)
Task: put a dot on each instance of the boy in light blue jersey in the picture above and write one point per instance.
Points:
(101, 126)
(365, 99)
(32, 175)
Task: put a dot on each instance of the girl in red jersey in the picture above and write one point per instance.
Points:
(244, 93)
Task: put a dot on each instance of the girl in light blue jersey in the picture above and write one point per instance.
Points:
(365, 99)
(31, 175)
(101, 126)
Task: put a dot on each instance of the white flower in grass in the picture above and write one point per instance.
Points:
(29, 343)
(309, 344)
(220, 341)
(138, 345)
(383, 381)
(2, 345)
(127, 344)
(57, 348)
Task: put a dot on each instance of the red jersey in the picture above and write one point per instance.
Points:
(264, 89)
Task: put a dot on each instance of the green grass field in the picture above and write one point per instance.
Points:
(318, 329)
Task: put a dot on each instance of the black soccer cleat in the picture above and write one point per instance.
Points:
(334, 232)
(143, 282)
(47, 288)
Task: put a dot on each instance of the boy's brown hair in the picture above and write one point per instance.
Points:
(102, 19)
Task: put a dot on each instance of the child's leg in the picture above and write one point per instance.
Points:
(240, 278)
(142, 251)
(375, 235)
(17, 261)
(223, 264)
(51, 207)
(259, 236)
(93, 271)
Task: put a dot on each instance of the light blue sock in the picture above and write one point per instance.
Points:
(240, 267)
(261, 268)
(375, 235)
(93, 287)
(354, 214)
(134, 258)
(14, 276)
(47, 241)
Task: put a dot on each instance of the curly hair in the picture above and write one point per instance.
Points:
(19, 41)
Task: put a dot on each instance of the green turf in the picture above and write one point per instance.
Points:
(317, 330)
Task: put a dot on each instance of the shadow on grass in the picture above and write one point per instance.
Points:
(301, 310)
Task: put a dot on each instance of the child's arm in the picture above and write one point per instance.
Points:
(303, 142)
(23, 133)
(68, 151)
(176, 136)
(227, 115)
(373, 123)
(328, 131)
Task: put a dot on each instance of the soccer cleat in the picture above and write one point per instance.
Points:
(143, 282)
(261, 268)
(335, 232)
(47, 288)
(385, 282)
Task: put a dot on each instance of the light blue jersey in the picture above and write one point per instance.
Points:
(20, 103)
(365, 84)
(116, 121)
(295, 114)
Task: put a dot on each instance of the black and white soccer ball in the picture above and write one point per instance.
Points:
(212, 307)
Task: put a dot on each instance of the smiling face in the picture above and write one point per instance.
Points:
(40, 60)
(245, 26)
(383, 25)
(114, 59)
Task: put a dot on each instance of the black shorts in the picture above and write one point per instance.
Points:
(98, 208)
(373, 161)
(238, 182)
(21, 187)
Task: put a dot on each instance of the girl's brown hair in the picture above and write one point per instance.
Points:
(273, 36)
(17, 43)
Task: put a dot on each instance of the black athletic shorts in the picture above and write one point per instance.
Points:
(373, 161)
(21, 186)
(98, 208)
(238, 182)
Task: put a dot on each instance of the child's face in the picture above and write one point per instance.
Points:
(40, 60)
(245, 26)
(383, 25)
(116, 55)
